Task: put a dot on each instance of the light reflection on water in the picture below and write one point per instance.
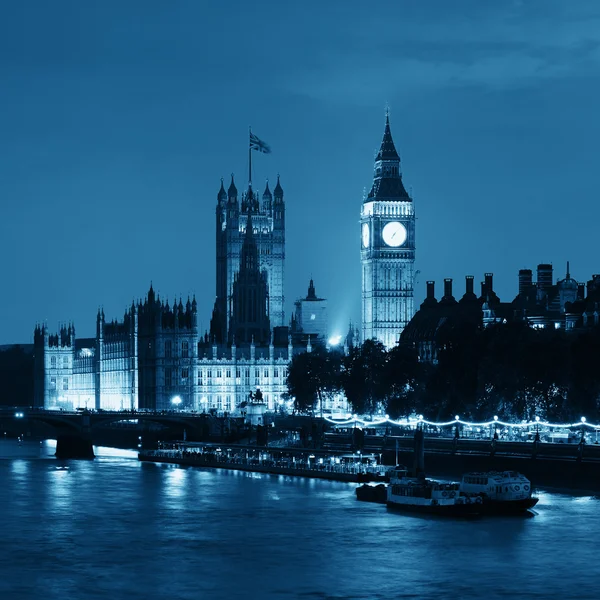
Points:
(118, 528)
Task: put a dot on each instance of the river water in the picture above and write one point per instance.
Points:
(116, 528)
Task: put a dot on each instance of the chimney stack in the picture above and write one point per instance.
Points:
(581, 291)
(525, 281)
(431, 290)
(469, 284)
(489, 283)
(544, 276)
(447, 288)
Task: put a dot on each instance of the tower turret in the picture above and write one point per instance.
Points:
(222, 195)
(278, 192)
(232, 193)
(267, 199)
(194, 315)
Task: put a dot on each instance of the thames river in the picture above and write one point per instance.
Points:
(116, 528)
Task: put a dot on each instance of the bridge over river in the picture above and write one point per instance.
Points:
(74, 430)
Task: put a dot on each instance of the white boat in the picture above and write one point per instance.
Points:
(418, 494)
(502, 492)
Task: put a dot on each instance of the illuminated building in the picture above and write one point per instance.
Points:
(268, 221)
(155, 358)
(387, 237)
(310, 318)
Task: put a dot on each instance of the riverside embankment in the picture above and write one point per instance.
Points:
(275, 461)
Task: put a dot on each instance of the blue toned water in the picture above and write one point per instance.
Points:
(115, 528)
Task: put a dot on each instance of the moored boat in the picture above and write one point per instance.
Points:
(372, 493)
(421, 495)
(501, 492)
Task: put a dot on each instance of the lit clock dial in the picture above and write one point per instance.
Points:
(394, 234)
(366, 235)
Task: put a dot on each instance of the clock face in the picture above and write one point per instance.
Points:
(365, 235)
(394, 234)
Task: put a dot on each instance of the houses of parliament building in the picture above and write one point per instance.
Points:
(156, 358)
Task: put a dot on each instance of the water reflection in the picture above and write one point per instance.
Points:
(118, 528)
(175, 483)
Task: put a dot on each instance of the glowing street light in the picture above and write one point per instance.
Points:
(176, 400)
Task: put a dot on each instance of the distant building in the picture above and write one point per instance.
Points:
(387, 235)
(310, 318)
(155, 357)
(268, 224)
(542, 304)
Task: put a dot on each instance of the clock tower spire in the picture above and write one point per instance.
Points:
(387, 249)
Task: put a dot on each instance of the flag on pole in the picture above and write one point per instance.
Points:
(257, 144)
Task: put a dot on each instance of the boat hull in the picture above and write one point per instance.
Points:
(372, 493)
(508, 507)
(447, 510)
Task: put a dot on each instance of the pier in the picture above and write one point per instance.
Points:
(275, 461)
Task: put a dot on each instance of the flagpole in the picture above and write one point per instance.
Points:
(249, 158)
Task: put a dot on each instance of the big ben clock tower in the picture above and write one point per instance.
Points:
(387, 238)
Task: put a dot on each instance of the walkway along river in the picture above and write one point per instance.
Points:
(277, 461)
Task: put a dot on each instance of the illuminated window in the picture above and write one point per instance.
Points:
(313, 317)
(185, 349)
(53, 383)
(168, 349)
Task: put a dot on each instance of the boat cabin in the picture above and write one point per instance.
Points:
(505, 485)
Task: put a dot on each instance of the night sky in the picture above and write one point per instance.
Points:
(118, 119)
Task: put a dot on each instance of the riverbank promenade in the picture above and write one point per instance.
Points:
(276, 461)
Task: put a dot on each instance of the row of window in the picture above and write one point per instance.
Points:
(65, 383)
(171, 375)
(238, 373)
(65, 362)
(185, 349)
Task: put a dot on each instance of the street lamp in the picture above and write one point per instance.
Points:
(176, 401)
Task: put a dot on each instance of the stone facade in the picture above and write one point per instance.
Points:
(310, 318)
(387, 236)
(268, 221)
(156, 359)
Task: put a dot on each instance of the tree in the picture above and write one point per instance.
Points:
(363, 377)
(312, 376)
(400, 374)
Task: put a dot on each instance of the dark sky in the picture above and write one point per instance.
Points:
(118, 118)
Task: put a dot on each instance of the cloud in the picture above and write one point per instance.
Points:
(516, 45)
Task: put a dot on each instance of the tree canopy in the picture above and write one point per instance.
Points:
(510, 370)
